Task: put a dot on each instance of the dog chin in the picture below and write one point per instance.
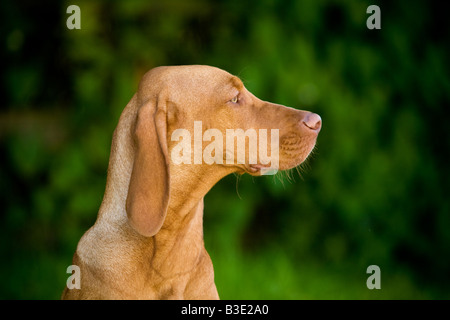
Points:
(295, 162)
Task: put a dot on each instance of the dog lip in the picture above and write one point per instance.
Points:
(261, 169)
(257, 167)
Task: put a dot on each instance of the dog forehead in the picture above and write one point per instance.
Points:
(182, 82)
(196, 78)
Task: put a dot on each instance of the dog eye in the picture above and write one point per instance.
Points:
(235, 99)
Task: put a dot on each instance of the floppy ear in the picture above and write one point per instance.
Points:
(148, 192)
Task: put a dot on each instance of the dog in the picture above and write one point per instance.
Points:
(147, 241)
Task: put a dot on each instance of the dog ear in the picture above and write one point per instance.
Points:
(148, 191)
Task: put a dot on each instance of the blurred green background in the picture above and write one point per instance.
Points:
(376, 190)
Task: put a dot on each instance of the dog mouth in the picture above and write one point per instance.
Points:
(293, 150)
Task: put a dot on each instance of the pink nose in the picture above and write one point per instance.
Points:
(313, 121)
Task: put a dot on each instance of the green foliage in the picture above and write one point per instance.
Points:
(375, 190)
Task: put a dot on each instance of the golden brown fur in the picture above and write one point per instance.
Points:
(147, 242)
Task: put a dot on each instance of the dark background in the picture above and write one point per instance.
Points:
(375, 190)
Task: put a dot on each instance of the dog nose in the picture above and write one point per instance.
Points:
(313, 121)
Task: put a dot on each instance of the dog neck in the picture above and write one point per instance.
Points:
(190, 183)
(175, 254)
